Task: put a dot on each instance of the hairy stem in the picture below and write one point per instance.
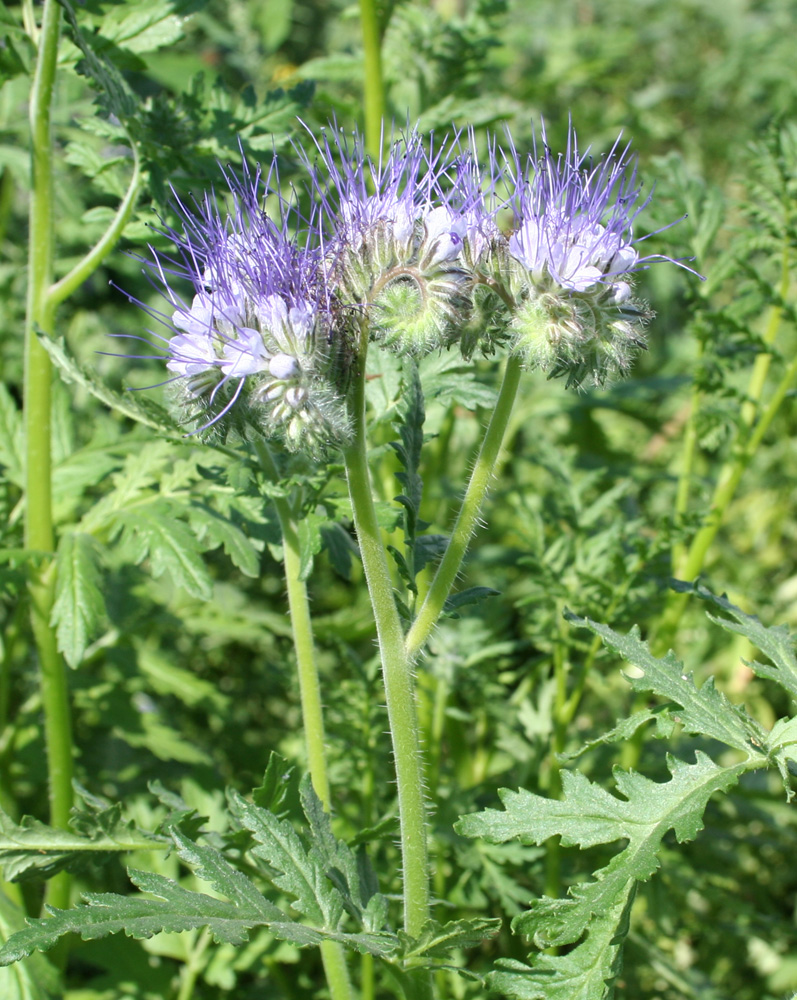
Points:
(468, 516)
(332, 953)
(39, 536)
(374, 87)
(398, 680)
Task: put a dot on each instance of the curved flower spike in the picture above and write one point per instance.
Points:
(571, 260)
(258, 338)
(397, 236)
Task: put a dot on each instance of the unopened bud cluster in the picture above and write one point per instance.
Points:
(423, 250)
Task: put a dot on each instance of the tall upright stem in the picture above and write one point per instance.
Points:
(374, 87)
(39, 535)
(332, 953)
(468, 516)
(398, 679)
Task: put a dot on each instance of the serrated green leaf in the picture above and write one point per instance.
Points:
(382, 945)
(438, 940)
(587, 972)
(214, 529)
(626, 728)
(429, 548)
(11, 437)
(448, 379)
(175, 910)
(351, 875)
(473, 595)
(704, 712)
(133, 405)
(152, 532)
(340, 547)
(116, 97)
(310, 541)
(31, 849)
(298, 875)
(588, 815)
(211, 866)
(144, 26)
(775, 640)
(79, 604)
(271, 792)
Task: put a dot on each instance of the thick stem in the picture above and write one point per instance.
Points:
(398, 680)
(468, 516)
(39, 535)
(374, 87)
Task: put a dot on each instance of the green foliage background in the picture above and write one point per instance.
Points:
(171, 596)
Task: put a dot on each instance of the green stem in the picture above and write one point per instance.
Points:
(372, 74)
(332, 953)
(468, 516)
(302, 627)
(687, 465)
(734, 468)
(398, 680)
(37, 401)
(193, 966)
(86, 267)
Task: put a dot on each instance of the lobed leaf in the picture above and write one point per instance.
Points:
(438, 940)
(351, 875)
(298, 874)
(775, 640)
(31, 849)
(587, 972)
(152, 531)
(704, 712)
(588, 815)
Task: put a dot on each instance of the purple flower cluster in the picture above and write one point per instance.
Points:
(397, 250)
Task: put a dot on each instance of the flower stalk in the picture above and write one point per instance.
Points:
(37, 392)
(374, 86)
(332, 953)
(469, 512)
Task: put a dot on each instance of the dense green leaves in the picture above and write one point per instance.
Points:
(323, 881)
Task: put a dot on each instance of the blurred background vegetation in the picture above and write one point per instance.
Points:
(196, 692)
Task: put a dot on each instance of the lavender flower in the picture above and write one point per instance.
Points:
(570, 261)
(259, 339)
(397, 242)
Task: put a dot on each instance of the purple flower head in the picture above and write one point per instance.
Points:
(257, 334)
(574, 218)
(571, 260)
(396, 234)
